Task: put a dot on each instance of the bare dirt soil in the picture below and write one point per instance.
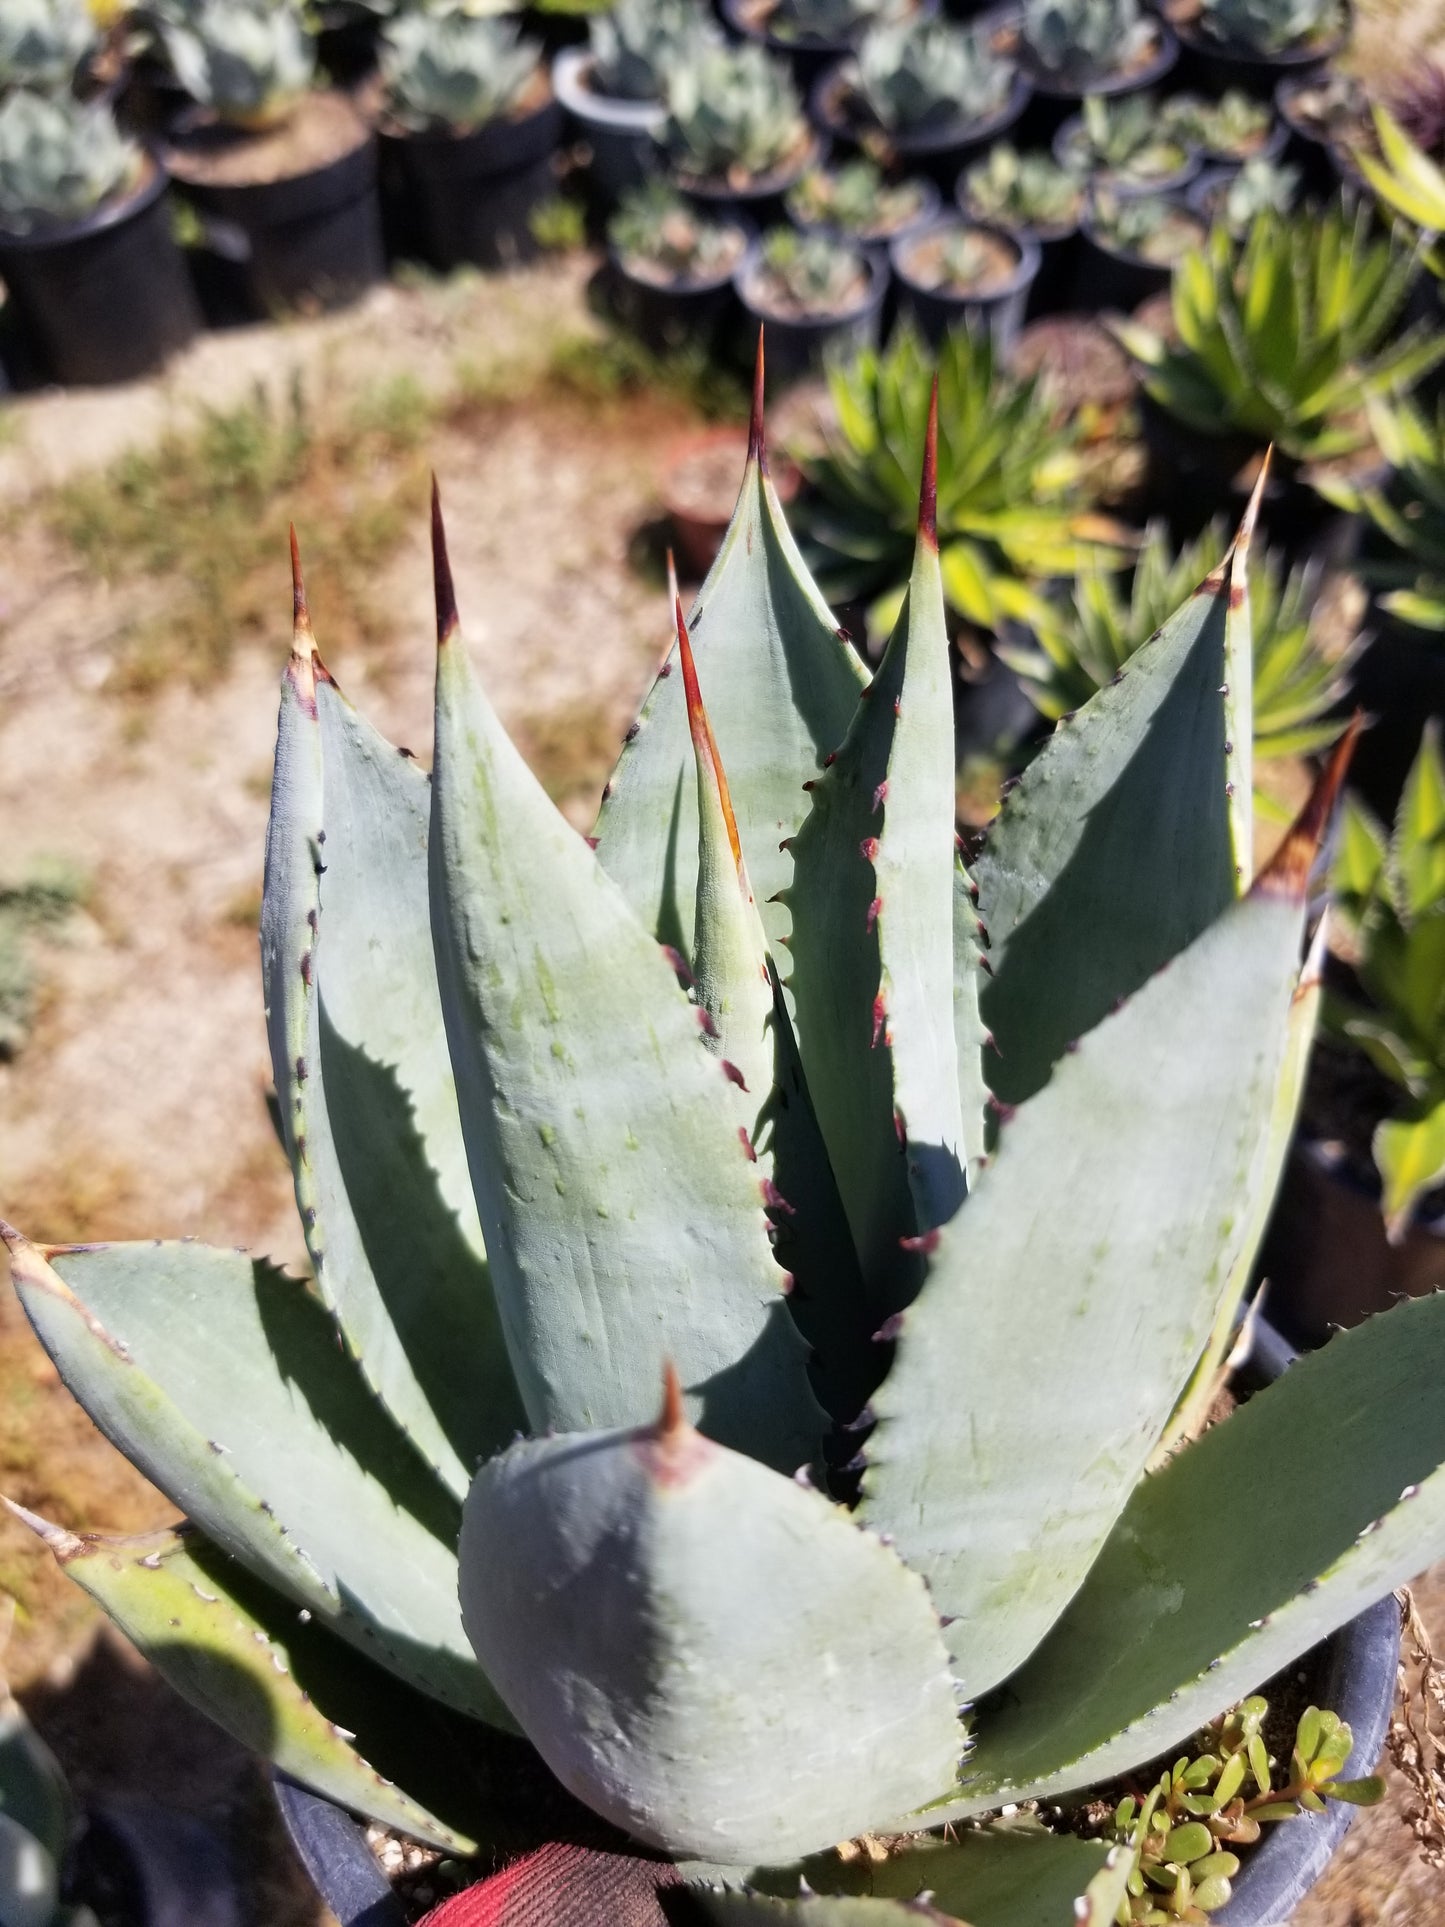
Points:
(137, 1105)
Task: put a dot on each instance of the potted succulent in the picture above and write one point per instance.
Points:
(1126, 147)
(1253, 44)
(1030, 195)
(1361, 1220)
(471, 124)
(1014, 501)
(1327, 114)
(736, 133)
(855, 204)
(94, 276)
(1130, 247)
(1229, 131)
(811, 34)
(957, 271)
(813, 294)
(266, 150)
(673, 265)
(615, 88)
(1297, 372)
(924, 95)
(1070, 48)
(43, 43)
(721, 1664)
(1232, 196)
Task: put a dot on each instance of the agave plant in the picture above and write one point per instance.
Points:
(540, 1180)
(1013, 507)
(1391, 900)
(1271, 26)
(1408, 510)
(637, 43)
(1234, 127)
(855, 200)
(42, 42)
(1129, 139)
(1295, 684)
(829, 20)
(543, 1184)
(454, 70)
(1287, 334)
(1150, 227)
(248, 61)
(1028, 191)
(1259, 186)
(34, 1822)
(656, 231)
(1084, 39)
(59, 160)
(734, 115)
(1404, 176)
(807, 274)
(921, 76)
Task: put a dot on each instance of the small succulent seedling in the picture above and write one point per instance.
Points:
(809, 274)
(854, 199)
(42, 42)
(1234, 126)
(1029, 191)
(1261, 186)
(830, 20)
(1296, 685)
(1079, 39)
(1300, 369)
(1408, 510)
(1271, 26)
(734, 115)
(1128, 139)
(585, 1150)
(656, 230)
(452, 70)
(637, 43)
(920, 76)
(1391, 901)
(1151, 227)
(59, 160)
(248, 61)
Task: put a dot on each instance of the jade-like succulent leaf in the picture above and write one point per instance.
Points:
(221, 1378)
(872, 897)
(1114, 851)
(657, 1587)
(273, 1679)
(1065, 1306)
(366, 1092)
(610, 1153)
(1194, 1602)
(782, 685)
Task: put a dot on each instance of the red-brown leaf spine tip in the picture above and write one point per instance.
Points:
(446, 596)
(704, 743)
(928, 485)
(300, 614)
(1287, 873)
(757, 441)
(11, 1238)
(672, 1420)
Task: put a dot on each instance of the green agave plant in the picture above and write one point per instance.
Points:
(1409, 511)
(540, 1180)
(1404, 176)
(1012, 499)
(1287, 334)
(1084, 642)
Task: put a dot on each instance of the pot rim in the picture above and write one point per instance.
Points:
(917, 146)
(870, 300)
(570, 66)
(1029, 252)
(113, 212)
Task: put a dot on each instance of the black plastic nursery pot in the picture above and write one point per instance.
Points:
(935, 153)
(347, 39)
(669, 315)
(1124, 187)
(876, 246)
(757, 203)
(1051, 291)
(797, 344)
(622, 135)
(1352, 1673)
(312, 240)
(458, 199)
(1326, 1256)
(1323, 168)
(1208, 65)
(103, 299)
(935, 310)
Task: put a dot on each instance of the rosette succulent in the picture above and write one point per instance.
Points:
(733, 114)
(856, 200)
(809, 274)
(1082, 39)
(919, 76)
(249, 61)
(42, 42)
(670, 1148)
(1270, 26)
(1129, 140)
(637, 43)
(829, 20)
(1028, 191)
(659, 233)
(59, 160)
(454, 70)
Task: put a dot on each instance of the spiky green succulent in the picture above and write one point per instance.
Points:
(830, 20)
(1390, 891)
(1270, 26)
(734, 115)
(656, 228)
(637, 43)
(455, 70)
(1127, 139)
(1151, 227)
(1258, 186)
(919, 76)
(42, 42)
(1407, 179)
(854, 199)
(1013, 500)
(808, 274)
(1287, 334)
(1083, 39)
(59, 160)
(1408, 510)
(1021, 190)
(1295, 683)
(249, 61)
(540, 1178)
(1234, 126)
